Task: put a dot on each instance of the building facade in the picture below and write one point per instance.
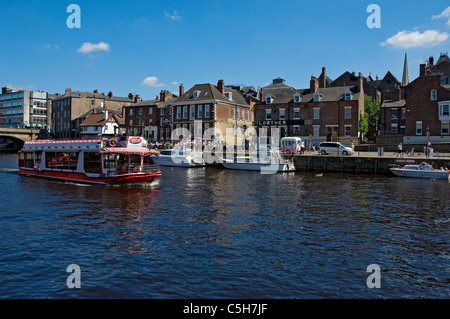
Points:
(141, 118)
(212, 112)
(71, 105)
(20, 108)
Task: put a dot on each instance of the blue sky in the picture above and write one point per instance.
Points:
(145, 46)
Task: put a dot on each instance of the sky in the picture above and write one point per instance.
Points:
(145, 46)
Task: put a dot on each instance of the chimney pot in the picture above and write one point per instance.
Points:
(313, 84)
(68, 90)
(221, 86)
(137, 99)
(422, 69)
(181, 89)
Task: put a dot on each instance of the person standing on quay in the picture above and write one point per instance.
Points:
(400, 150)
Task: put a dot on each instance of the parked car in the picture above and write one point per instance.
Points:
(334, 148)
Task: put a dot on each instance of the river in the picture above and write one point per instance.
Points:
(217, 233)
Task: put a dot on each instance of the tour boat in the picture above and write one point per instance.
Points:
(422, 170)
(119, 160)
(179, 156)
(269, 163)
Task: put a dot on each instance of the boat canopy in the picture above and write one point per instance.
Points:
(128, 151)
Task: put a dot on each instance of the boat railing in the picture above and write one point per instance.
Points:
(133, 169)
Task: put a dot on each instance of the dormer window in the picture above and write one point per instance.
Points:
(196, 94)
(347, 95)
(268, 99)
(229, 95)
(433, 95)
(316, 97)
(296, 98)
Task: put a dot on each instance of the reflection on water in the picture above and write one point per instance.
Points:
(216, 233)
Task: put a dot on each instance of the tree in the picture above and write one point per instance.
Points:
(372, 108)
(363, 125)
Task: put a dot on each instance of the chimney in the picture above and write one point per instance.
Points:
(181, 89)
(422, 69)
(162, 96)
(95, 91)
(137, 98)
(313, 84)
(431, 61)
(324, 79)
(68, 91)
(360, 83)
(110, 94)
(131, 96)
(221, 86)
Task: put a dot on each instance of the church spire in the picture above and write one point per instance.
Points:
(405, 79)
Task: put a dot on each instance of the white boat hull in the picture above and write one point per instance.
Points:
(180, 161)
(434, 174)
(263, 168)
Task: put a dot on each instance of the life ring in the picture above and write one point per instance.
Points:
(112, 142)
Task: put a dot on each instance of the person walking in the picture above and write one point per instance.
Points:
(400, 150)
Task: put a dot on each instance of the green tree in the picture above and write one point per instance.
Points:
(363, 125)
(373, 109)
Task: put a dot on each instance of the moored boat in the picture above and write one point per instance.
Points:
(120, 160)
(269, 163)
(422, 170)
(179, 156)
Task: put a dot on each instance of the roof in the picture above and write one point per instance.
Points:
(79, 94)
(98, 119)
(209, 92)
(392, 103)
(145, 103)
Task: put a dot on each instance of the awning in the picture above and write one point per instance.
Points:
(128, 151)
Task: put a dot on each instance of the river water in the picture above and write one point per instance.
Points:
(217, 233)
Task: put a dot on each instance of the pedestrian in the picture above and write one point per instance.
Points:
(302, 148)
(400, 150)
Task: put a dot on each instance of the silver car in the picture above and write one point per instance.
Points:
(334, 148)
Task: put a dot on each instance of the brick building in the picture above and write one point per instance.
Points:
(420, 111)
(214, 107)
(323, 111)
(141, 118)
(71, 105)
(165, 113)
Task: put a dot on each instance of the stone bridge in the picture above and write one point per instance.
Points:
(12, 139)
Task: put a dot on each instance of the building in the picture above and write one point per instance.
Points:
(212, 111)
(21, 108)
(165, 114)
(100, 123)
(321, 112)
(71, 105)
(141, 118)
(419, 112)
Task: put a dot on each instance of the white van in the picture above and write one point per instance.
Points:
(334, 148)
(291, 145)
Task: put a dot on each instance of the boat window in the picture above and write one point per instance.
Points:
(92, 162)
(73, 160)
(38, 157)
(28, 156)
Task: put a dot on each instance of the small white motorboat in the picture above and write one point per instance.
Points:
(422, 170)
(183, 157)
(269, 163)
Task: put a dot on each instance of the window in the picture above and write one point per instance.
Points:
(185, 112)
(296, 113)
(229, 95)
(316, 130)
(179, 112)
(296, 129)
(200, 111)
(207, 111)
(92, 102)
(403, 113)
(433, 95)
(347, 96)
(316, 114)
(443, 81)
(192, 112)
(418, 127)
(394, 114)
(248, 115)
(348, 130)
(150, 110)
(282, 114)
(316, 97)
(150, 122)
(444, 110)
(130, 112)
(161, 112)
(191, 129)
(445, 128)
(131, 122)
(268, 99)
(238, 114)
(268, 114)
(394, 128)
(196, 94)
(140, 111)
(348, 112)
(296, 98)
(206, 126)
